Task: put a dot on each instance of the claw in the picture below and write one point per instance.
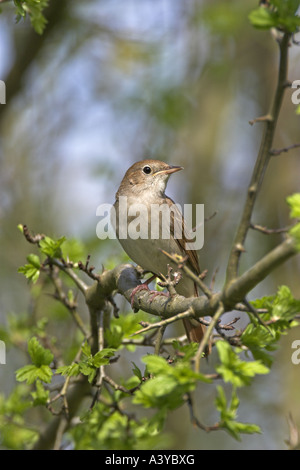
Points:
(137, 289)
(144, 286)
(155, 293)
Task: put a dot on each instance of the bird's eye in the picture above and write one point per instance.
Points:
(147, 170)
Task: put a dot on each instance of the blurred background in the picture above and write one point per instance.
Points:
(111, 82)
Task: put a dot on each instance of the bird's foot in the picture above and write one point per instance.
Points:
(137, 289)
(155, 293)
(144, 286)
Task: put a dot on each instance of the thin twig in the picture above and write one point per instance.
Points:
(166, 322)
(195, 420)
(275, 152)
(35, 239)
(158, 341)
(70, 305)
(82, 286)
(269, 231)
(180, 261)
(89, 269)
(116, 386)
(266, 118)
(63, 424)
(207, 335)
(101, 371)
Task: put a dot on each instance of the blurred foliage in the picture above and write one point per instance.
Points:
(108, 83)
(34, 9)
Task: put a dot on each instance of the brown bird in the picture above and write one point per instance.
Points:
(144, 184)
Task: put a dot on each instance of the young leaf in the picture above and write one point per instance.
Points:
(262, 18)
(31, 270)
(259, 341)
(34, 9)
(233, 369)
(294, 203)
(69, 371)
(52, 248)
(40, 396)
(228, 414)
(31, 373)
(39, 355)
(40, 369)
(137, 372)
(101, 358)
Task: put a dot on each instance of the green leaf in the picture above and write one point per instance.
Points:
(88, 370)
(188, 350)
(101, 358)
(31, 270)
(34, 9)
(52, 248)
(16, 403)
(74, 250)
(159, 392)
(167, 383)
(70, 371)
(294, 203)
(262, 18)
(156, 364)
(137, 372)
(102, 428)
(40, 369)
(34, 260)
(259, 341)
(30, 373)
(40, 396)
(284, 306)
(233, 369)
(114, 336)
(281, 15)
(228, 414)
(295, 234)
(86, 349)
(286, 7)
(39, 355)
(90, 364)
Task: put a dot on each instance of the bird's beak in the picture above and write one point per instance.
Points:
(169, 170)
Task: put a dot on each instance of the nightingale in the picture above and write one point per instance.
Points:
(144, 184)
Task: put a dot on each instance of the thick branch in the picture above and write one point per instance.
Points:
(239, 288)
(124, 278)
